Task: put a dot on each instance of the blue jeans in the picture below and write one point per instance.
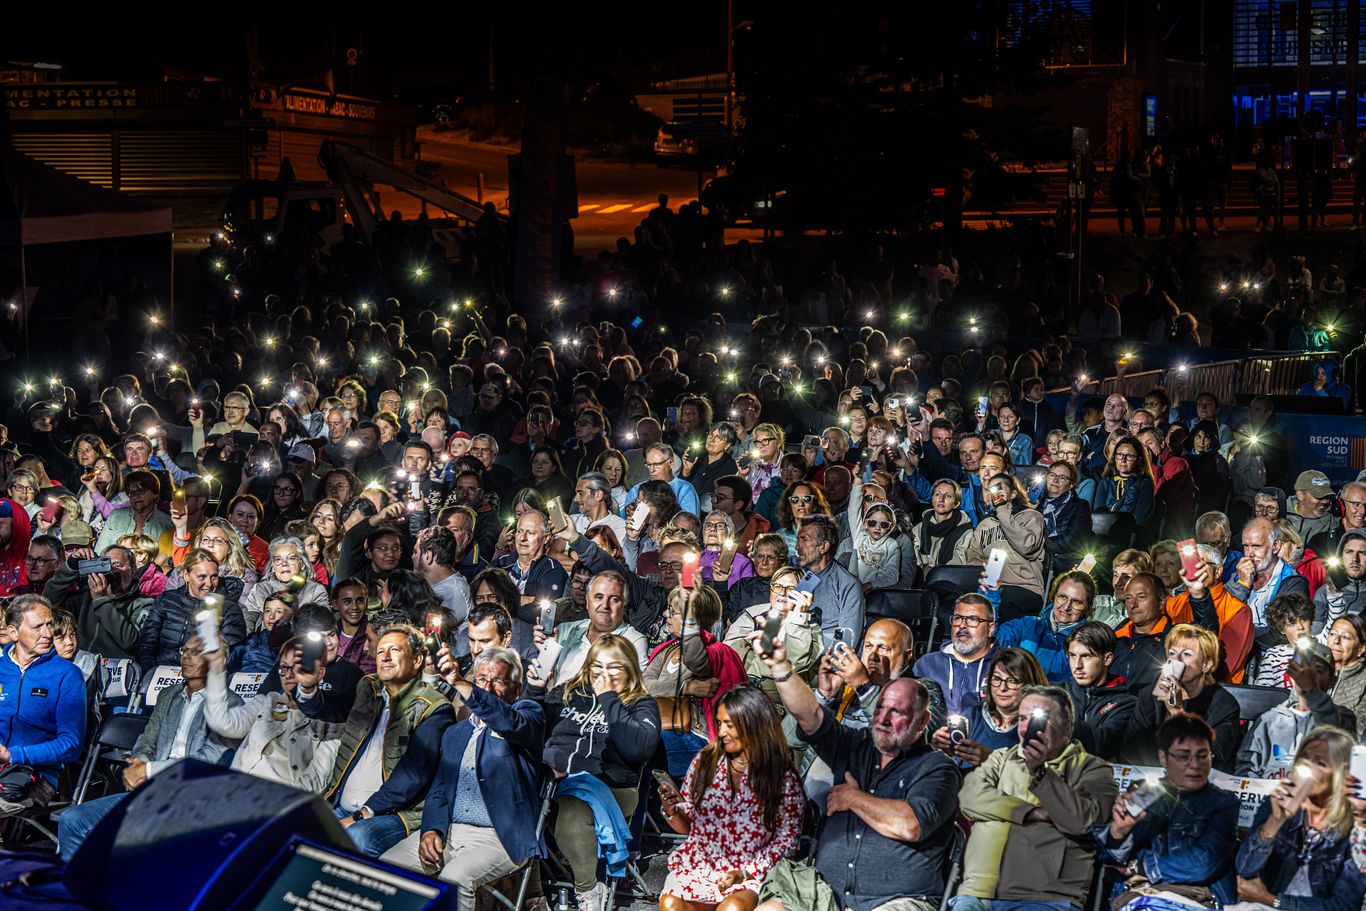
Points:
(680, 748)
(375, 835)
(970, 903)
(75, 822)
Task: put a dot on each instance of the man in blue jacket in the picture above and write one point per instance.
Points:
(479, 820)
(42, 695)
(1045, 636)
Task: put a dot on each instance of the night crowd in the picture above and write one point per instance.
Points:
(825, 611)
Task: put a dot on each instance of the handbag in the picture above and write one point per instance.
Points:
(675, 714)
(21, 786)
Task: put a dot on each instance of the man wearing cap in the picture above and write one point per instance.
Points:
(1268, 748)
(302, 460)
(491, 417)
(1309, 514)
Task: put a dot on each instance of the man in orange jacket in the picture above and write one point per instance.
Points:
(1206, 595)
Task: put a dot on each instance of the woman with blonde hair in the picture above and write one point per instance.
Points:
(237, 574)
(1297, 854)
(607, 695)
(765, 451)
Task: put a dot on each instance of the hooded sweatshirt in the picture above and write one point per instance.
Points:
(1349, 599)
(1269, 748)
(600, 734)
(1331, 386)
(963, 682)
(875, 562)
(13, 573)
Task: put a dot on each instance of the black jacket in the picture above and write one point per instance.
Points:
(170, 624)
(1069, 532)
(109, 627)
(1103, 715)
(600, 735)
(1214, 704)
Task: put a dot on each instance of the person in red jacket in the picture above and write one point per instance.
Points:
(1174, 484)
(15, 533)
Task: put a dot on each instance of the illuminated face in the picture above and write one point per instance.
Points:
(990, 466)
(944, 500)
(802, 502)
(970, 452)
(1088, 668)
(1070, 603)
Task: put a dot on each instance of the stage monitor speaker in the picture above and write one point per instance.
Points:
(193, 837)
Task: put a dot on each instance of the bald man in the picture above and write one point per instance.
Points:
(893, 798)
(849, 684)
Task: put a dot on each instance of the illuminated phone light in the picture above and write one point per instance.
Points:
(419, 271)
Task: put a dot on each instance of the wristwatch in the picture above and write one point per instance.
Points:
(358, 815)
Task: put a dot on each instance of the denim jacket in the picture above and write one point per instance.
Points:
(1184, 838)
(1335, 881)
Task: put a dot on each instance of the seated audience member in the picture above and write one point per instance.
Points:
(256, 655)
(278, 741)
(1029, 802)
(607, 603)
(1344, 588)
(108, 607)
(604, 726)
(993, 724)
(1261, 575)
(178, 729)
(1018, 528)
(350, 601)
(1045, 636)
(891, 808)
(1208, 598)
(479, 818)
(1139, 650)
(1267, 749)
(1297, 854)
(45, 732)
(377, 797)
(1292, 617)
(688, 673)
(1347, 644)
(802, 640)
(740, 808)
(1186, 837)
(838, 595)
(170, 620)
(960, 666)
(943, 535)
(338, 686)
(1103, 701)
(768, 554)
(1194, 651)
(849, 684)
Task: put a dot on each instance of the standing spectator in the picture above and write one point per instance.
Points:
(1018, 528)
(943, 535)
(1029, 802)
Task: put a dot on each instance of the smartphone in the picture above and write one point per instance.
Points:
(842, 650)
(982, 407)
(548, 618)
(94, 565)
(415, 490)
(671, 414)
(665, 782)
(773, 627)
(206, 624)
(637, 322)
(178, 498)
(808, 582)
(867, 391)
(811, 441)
(51, 509)
(958, 729)
(1038, 721)
(555, 510)
(432, 636)
(1147, 792)
(543, 665)
(1190, 558)
(639, 515)
(996, 561)
(727, 557)
(1305, 781)
(243, 438)
(688, 575)
(1087, 563)
(311, 652)
(893, 402)
(1357, 766)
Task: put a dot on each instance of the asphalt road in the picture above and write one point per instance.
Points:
(613, 197)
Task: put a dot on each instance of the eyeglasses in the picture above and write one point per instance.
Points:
(186, 650)
(488, 683)
(671, 566)
(877, 523)
(765, 441)
(1058, 476)
(613, 668)
(387, 548)
(659, 464)
(1125, 457)
(286, 670)
(286, 561)
(781, 589)
(717, 496)
(1006, 683)
(803, 498)
(32, 559)
(213, 542)
(767, 558)
(1184, 757)
(968, 620)
(870, 498)
(1266, 509)
(23, 488)
(1355, 504)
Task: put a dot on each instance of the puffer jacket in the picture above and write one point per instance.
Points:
(1020, 529)
(1350, 690)
(1037, 636)
(169, 624)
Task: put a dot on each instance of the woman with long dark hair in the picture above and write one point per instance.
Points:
(740, 808)
(286, 505)
(1127, 484)
(992, 725)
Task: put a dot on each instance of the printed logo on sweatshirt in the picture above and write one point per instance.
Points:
(39, 692)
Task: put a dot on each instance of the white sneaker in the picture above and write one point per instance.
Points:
(594, 899)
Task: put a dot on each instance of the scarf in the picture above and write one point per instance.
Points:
(1119, 480)
(950, 530)
(1050, 510)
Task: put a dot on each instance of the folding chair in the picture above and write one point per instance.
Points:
(547, 801)
(1254, 701)
(958, 844)
(118, 734)
(917, 608)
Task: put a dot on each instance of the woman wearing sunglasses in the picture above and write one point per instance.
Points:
(800, 501)
(877, 554)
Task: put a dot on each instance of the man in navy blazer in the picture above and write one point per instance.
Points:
(479, 819)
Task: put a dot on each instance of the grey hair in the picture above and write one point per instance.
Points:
(730, 523)
(127, 553)
(1067, 718)
(662, 449)
(14, 613)
(1210, 554)
(505, 655)
(493, 444)
(726, 430)
(597, 481)
(1217, 520)
(289, 541)
(1351, 484)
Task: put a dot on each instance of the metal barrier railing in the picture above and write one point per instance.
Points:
(1267, 374)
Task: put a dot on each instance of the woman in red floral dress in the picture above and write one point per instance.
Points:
(741, 809)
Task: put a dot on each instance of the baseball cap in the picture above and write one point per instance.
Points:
(303, 452)
(490, 389)
(77, 533)
(1314, 482)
